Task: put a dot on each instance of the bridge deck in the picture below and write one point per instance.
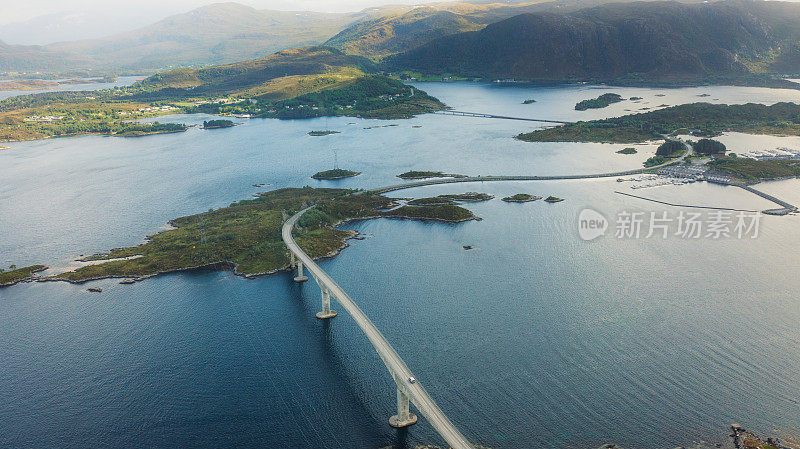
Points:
(397, 368)
(504, 117)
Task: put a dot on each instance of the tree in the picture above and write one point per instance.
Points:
(669, 148)
(708, 146)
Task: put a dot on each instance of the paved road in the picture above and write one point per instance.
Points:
(428, 182)
(397, 368)
(505, 117)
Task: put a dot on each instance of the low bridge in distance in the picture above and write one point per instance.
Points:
(482, 115)
(408, 388)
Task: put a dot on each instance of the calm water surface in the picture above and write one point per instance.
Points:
(534, 338)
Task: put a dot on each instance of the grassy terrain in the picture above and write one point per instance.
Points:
(336, 173)
(777, 119)
(443, 212)
(246, 236)
(19, 274)
(60, 116)
(429, 201)
(299, 83)
(521, 198)
(468, 197)
(752, 170)
(590, 132)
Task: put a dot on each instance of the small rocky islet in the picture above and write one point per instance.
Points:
(521, 198)
(527, 198)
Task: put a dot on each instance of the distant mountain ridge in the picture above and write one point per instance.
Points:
(653, 40)
(33, 58)
(215, 34)
(300, 70)
(396, 33)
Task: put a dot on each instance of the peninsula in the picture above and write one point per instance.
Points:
(15, 275)
(752, 118)
(299, 83)
(246, 236)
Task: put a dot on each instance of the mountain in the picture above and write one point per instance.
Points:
(75, 25)
(405, 29)
(15, 58)
(399, 32)
(215, 34)
(651, 40)
(284, 74)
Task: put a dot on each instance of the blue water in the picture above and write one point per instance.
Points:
(533, 338)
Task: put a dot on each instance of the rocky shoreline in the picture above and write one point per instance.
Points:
(30, 278)
(231, 266)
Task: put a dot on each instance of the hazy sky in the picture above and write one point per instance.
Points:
(15, 11)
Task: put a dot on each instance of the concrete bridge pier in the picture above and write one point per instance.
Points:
(404, 417)
(300, 276)
(326, 305)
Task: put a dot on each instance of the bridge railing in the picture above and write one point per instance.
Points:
(408, 388)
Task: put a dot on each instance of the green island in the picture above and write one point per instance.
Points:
(777, 119)
(336, 173)
(521, 198)
(628, 150)
(298, 83)
(434, 201)
(246, 236)
(417, 174)
(705, 147)
(470, 197)
(553, 199)
(529, 101)
(15, 275)
(602, 101)
(217, 124)
(145, 129)
(752, 170)
(322, 133)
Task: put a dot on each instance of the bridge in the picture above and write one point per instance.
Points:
(429, 182)
(482, 115)
(408, 388)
